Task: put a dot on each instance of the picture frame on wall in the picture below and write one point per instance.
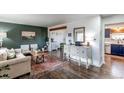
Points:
(28, 35)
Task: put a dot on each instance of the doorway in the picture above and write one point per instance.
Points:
(114, 48)
(114, 39)
(57, 38)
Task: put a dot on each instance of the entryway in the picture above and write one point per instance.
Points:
(114, 48)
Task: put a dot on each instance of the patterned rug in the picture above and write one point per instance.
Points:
(47, 65)
(39, 69)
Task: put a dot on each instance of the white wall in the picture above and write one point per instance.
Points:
(110, 20)
(92, 28)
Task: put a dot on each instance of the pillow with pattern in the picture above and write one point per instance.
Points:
(11, 54)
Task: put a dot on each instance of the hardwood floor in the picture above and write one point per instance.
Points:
(115, 65)
(112, 69)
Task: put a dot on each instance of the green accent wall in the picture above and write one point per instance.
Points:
(14, 39)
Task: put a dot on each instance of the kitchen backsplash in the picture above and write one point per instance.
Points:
(115, 39)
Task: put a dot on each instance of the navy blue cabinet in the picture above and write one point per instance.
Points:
(117, 49)
(122, 50)
(107, 33)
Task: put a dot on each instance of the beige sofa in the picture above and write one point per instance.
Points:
(18, 66)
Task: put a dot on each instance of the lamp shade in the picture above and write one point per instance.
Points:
(3, 34)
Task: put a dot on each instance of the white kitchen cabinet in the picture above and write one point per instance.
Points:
(54, 45)
(58, 37)
(108, 48)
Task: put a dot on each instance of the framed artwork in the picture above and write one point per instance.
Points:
(79, 34)
(28, 35)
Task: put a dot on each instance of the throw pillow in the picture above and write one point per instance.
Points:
(11, 54)
(3, 55)
(18, 51)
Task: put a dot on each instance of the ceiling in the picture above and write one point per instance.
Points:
(44, 20)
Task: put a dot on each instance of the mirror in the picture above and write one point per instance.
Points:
(79, 34)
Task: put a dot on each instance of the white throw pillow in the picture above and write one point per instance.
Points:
(3, 55)
(11, 54)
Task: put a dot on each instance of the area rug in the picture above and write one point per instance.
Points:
(49, 64)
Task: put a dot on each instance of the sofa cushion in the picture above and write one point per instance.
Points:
(19, 55)
(14, 61)
(11, 54)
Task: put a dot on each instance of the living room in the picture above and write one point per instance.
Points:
(61, 46)
(20, 39)
(55, 49)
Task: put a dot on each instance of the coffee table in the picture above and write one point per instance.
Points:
(39, 57)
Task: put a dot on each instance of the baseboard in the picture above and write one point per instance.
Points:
(98, 65)
(101, 64)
